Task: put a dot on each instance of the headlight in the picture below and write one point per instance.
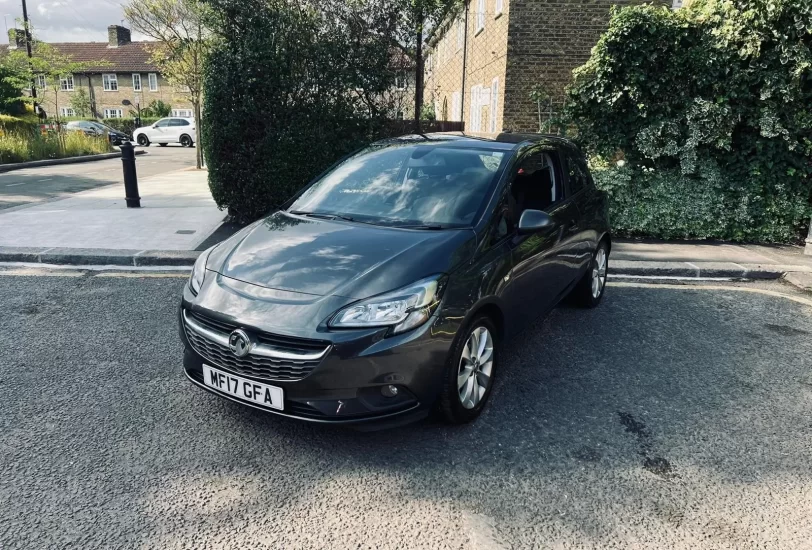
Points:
(199, 271)
(403, 309)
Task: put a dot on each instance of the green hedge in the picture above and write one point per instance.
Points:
(711, 106)
(278, 107)
(666, 204)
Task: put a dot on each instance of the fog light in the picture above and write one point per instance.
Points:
(389, 391)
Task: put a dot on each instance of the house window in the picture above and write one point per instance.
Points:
(153, 82)
(67, 111)
(66, 83)
(476, 108)
(110, 82)
(113, 113)
(480, 15)
(500, 5)
(136, 82)
(460, 33)
(455, 107)
(41, 82)
(400, 81)
(494, 104)
(182, 113)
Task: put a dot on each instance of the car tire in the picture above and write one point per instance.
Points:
(464, 397)
(162, 144)
(185, 140)
(143, 140)
(590, 289)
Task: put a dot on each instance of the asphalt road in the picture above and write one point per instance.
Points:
(666, 418)
(32, 185)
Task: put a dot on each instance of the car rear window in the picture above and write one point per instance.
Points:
(407, 185)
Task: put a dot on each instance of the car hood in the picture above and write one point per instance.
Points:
(335, 258)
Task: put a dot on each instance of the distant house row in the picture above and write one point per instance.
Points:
(126, 79)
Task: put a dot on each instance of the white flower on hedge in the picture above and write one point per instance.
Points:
(621, 163)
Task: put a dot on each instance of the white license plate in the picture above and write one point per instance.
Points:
(244, 389)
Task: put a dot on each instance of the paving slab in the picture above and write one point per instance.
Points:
(177, 213)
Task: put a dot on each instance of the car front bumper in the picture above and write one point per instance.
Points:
(346, 385)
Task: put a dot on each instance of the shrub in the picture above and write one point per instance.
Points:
(25, 146)
(156, 109)
(287, 92)
(715, 99)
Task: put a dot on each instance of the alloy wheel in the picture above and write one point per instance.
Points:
(599, 272)
(476, 364)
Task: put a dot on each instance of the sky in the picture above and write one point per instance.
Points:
(66, 20)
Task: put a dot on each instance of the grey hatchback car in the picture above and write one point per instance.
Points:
(387, 287)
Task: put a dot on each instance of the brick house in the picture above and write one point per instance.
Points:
(126, 79)
(483, 63)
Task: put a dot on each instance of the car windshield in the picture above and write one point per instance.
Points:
(406, 185)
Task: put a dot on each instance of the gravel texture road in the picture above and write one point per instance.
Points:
(666, 418)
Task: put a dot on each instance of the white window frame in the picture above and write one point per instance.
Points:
(66, 84)
(137, 88)
(456, 103)
(476, 108)
(182, 113)
(68, 111)
(110, 82)
(480, 16)
(113, 112)
(41, 82)
(153, 79)
(494, 104)
(499, 7)
(460, 33)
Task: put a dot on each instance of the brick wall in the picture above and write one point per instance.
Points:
(547, 39)
(102, 99)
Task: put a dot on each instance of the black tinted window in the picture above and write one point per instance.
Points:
(578, 172)
(407, 185)
(179, 122)
(163, 123)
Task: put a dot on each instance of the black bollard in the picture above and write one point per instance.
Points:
(130, 179)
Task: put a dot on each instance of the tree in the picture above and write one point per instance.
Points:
(182, 44)
(80, 103)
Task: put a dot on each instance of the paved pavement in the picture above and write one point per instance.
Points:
(667, 418)
(177, 213)
(32, 185)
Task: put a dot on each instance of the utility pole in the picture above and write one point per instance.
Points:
(28, 50)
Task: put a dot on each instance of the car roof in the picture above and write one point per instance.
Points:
(505, 141)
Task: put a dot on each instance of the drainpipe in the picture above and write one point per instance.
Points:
(464, 65)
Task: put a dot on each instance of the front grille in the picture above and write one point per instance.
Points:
(253, 366)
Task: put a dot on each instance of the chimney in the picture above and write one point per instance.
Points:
(16, 39)
(117, 36)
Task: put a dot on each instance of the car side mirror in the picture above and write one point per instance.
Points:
(533, 221)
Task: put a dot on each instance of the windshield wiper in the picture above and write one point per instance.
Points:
(433, 227)
(325, 216)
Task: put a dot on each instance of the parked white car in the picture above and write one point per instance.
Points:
(167, 130)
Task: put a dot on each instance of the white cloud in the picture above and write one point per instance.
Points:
(68, 21)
